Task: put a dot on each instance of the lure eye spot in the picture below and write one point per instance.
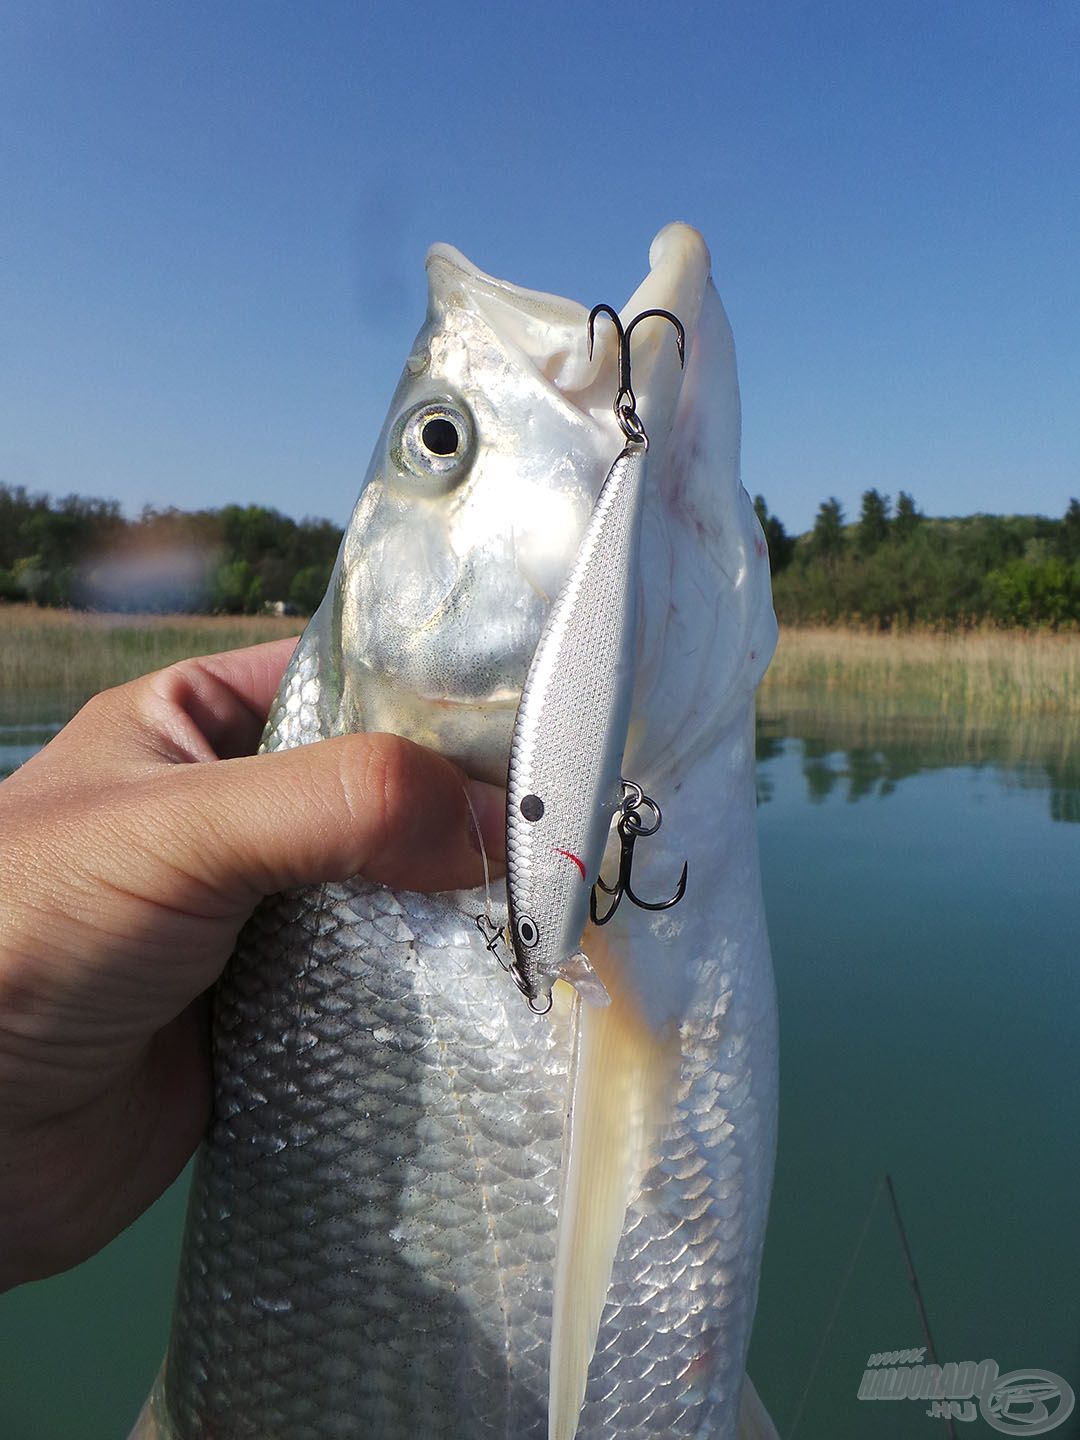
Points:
(528, 932)
(532, 807)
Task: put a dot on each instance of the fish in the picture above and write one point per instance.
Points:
(421, 1209)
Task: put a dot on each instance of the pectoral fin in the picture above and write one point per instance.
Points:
(148, 1426)
(754, 1422)
(621, 1092)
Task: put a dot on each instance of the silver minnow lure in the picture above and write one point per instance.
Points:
(565, 776)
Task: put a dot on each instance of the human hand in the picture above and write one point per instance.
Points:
(132, 850)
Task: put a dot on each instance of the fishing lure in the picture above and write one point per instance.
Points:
(565, 780)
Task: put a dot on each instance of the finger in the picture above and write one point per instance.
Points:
(214, 706)
(376, 805)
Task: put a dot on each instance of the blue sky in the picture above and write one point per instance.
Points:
(213, 219)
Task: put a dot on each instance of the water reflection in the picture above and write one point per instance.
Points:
(858, 752)
(862, 753)
(19, 742)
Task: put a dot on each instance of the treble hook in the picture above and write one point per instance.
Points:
(625, 406)
(631, 828)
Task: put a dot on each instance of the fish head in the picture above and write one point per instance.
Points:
(495, 446)
(478, 491)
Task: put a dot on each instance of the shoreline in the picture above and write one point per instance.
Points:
(989, 672)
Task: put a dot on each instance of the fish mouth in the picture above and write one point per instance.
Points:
(549, 331)
(679, 264)
(502, 700)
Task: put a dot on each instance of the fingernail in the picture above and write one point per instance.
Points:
(489, 808)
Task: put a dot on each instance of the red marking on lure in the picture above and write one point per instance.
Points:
(759, 545)
(571, 856)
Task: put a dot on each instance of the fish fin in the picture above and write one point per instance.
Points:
(147, 1426)
(621, 1092)
(578, 971)
(754, 1422)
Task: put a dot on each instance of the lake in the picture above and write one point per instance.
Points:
(921, 881)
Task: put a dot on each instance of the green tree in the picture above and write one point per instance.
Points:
(1035, 592)
(907, 517)
(781, 544)
(309, 586)
(32, 579)
(827, 540)
(252, 532)
(873, 521)
(1069, 533)
(236, 589)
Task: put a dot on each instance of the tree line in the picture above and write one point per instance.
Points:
(84, 553)
(895, 566)
(892, 566)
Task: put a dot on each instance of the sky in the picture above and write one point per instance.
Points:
(213, 219)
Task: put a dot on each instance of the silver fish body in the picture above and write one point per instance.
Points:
(391, 1230)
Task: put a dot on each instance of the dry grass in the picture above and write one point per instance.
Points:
(986, 675)
(52, 661)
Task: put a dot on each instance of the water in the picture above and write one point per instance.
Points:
(19, 741)
(923, 915)
(921, 884)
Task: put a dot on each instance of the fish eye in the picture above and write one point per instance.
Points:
(528, 932)
(532, 807)
(434, 443)
(440, 436)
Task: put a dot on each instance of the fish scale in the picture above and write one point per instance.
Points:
(684, 1219)
(342, 1168)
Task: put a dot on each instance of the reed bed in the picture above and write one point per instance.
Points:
(987, 675)
(52, 661)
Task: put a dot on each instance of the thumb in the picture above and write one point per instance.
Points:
(376, 805)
